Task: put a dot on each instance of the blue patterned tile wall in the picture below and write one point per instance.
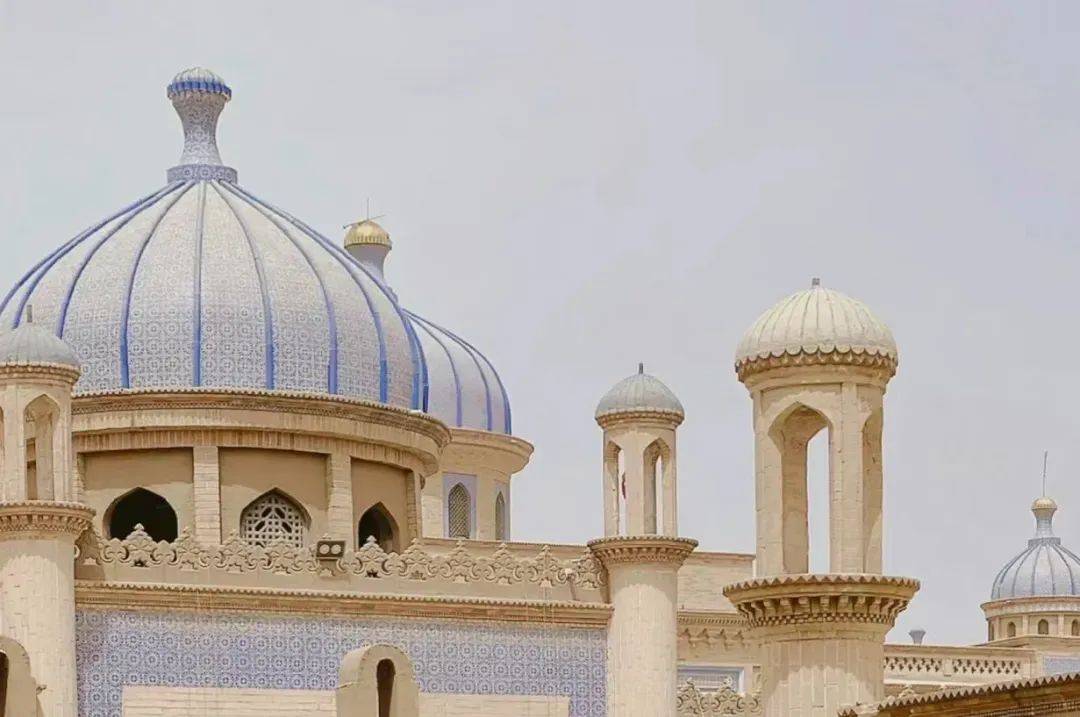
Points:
(116, 648)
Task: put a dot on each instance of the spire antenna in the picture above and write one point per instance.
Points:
(1045, 456)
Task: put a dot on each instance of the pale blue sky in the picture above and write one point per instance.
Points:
(579, 186)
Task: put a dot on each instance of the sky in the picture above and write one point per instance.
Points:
(577, 187)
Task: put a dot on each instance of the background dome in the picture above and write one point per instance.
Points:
(816, 320)
(639, 392)
(201, 284)
(1045, 568)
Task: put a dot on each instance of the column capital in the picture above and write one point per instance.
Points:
(622, 549)
(43, 518)
(831, 601)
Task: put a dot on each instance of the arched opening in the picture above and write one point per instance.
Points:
(1010, 629)
(792, 435)
(145, 508)
(501, 531)
(657, 487)
(459, 512)
(1043, 627)
(622, 515)
(40, 418)
(613, 478)
(377, 523)
(384, 682)
(273, 518)
(1074, 630)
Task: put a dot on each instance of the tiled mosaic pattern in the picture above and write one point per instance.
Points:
(117, 648)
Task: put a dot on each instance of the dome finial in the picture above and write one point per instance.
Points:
(816, 281)
(641, 367)
(199, 95)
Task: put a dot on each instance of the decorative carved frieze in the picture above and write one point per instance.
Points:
(43, 517)
(236, 555)
(877, 362)
(724, 701)
(809, 599)
(642, 549)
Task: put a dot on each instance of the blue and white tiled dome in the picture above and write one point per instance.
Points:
(1045, 568)
(202, 284)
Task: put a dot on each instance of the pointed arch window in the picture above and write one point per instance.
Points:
(145, 508)
(273, 518)
(459, 512)
(377, 523)
(501, 532)
(1043, 627)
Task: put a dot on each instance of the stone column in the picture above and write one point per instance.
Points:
(642, 635)
(822, 637)
(339, 516)
(37, 602)
(207, 492)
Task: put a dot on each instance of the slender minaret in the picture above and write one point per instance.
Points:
(819, 360)
(39, 520)
(640, 549)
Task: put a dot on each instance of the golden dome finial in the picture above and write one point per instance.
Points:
(366, 231)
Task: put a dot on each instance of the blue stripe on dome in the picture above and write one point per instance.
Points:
(352, 266)
(450, 357)
(502, 389)
(332, 372)
(268, 317)
(472, 352)
(196, 319)
(420, 378)
(62, 319)
(125, 377)
(176, 88)
(47, 263)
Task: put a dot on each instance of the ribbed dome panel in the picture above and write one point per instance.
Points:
(202, 284)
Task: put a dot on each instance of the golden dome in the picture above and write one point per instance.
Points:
(367, 232)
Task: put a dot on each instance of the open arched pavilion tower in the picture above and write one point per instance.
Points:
(819, 361)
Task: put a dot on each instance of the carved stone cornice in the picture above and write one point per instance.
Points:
(665, 419)
(42, 517)
(877, 363)
(158, 596)
(1033, 604)
(623, 549)
(56, 373)
(498, 451)
(797, 600)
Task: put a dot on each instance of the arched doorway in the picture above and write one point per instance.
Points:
(377, 523)
(145, 508)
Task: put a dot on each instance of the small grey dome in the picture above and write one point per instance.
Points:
(31, 343)
(640, 392)
(1046, 568)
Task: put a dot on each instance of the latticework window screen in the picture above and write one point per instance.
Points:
(459, 510)
(273, 518)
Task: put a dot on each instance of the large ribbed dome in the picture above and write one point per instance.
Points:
(201, 284)
(817, 320)
(1045, 568)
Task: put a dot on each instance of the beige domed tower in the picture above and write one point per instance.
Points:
(40, 517)
(819, 360)
(640, 549)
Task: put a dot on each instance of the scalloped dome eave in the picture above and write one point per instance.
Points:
(816, 320)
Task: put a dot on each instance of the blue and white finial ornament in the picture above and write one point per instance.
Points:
(199, 95)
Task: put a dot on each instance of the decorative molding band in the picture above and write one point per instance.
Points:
(1035, 604)
(159, 596)
(57, 373)
(236, 555)
(827, 599)
(667, 419)
(691, 702)
(878, 362)
(623, 549)
(43, 518)
(199, 172)
(502, 451)
(315, 404)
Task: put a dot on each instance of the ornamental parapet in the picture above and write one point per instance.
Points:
(43, 518)
(882, 364)
(422, 569)
(918, 666)
(805, 600)
(622, 549)
(691, 702)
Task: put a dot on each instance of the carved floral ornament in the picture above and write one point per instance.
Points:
(689, 700)
(236, 555)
